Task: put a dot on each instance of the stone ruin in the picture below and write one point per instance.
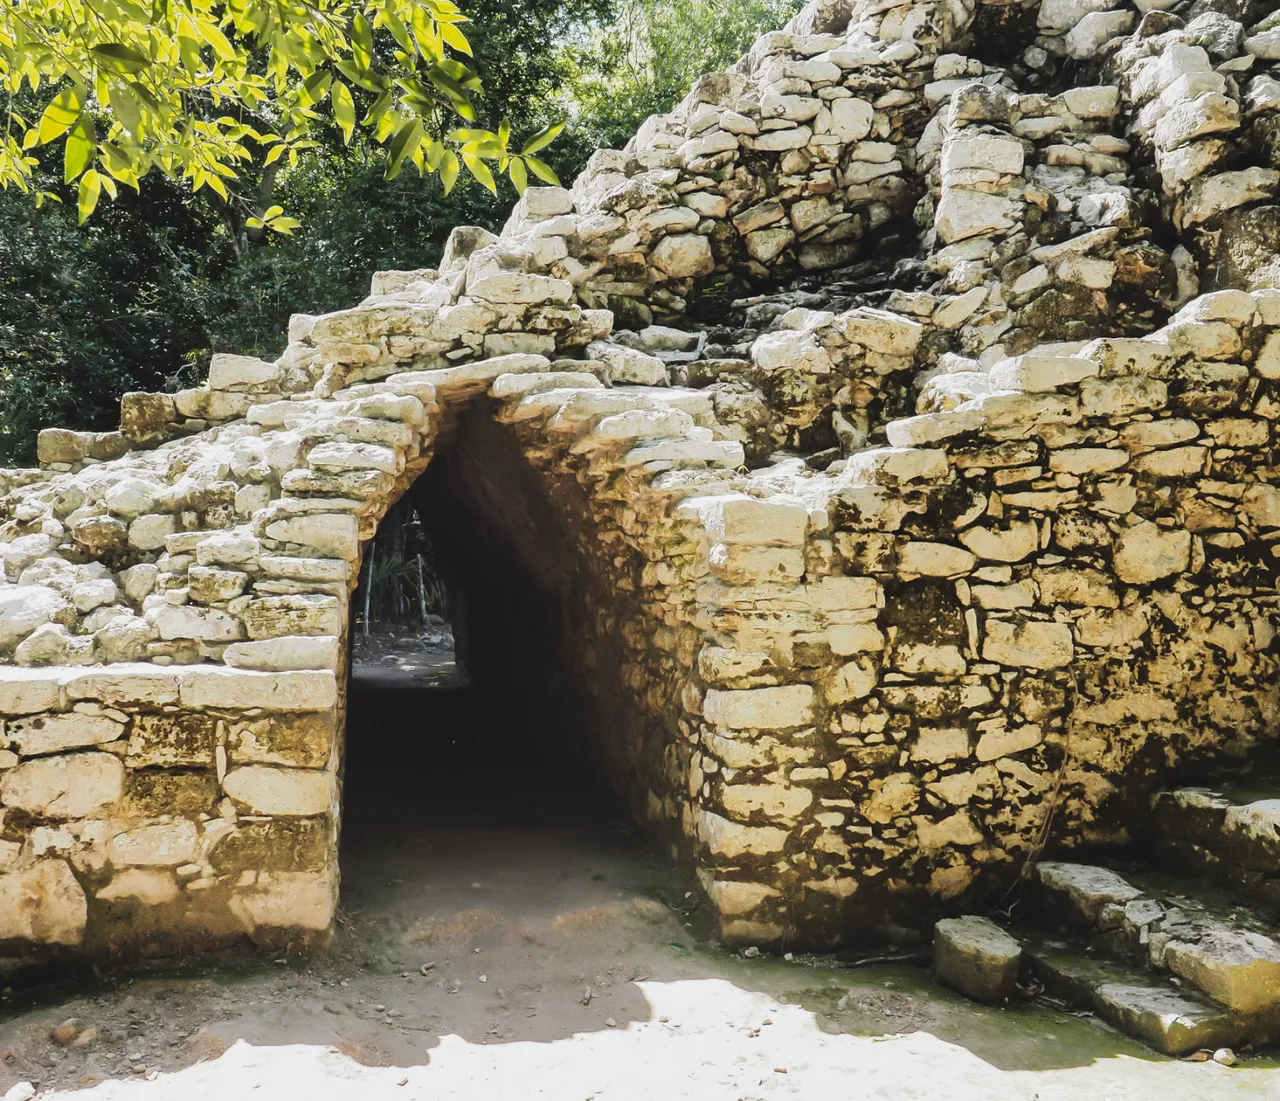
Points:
(898, 413)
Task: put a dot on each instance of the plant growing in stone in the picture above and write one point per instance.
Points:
(198, 89)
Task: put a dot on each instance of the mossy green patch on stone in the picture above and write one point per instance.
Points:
(172, 738)
(278, 845)
(301, 740)
(178, 791)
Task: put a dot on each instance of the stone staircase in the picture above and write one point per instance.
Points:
(1179, 967)
(1182, 955)
(1230, 834)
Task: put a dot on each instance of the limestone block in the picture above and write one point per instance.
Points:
(793, 351)
(1237, 967)
(747, 564)
(511, 288)
(889, 798)
(737, 518)
(964, 214)
(1121, 397)
(42, 734)
(1261, 504)
(305, 739)
(684, 256)
(774, 801)
(165, 844)
(27, 691)
(289, 900)
(329, 534)
(190, 621)
(976, 957)
(881, 331)
(132, 497)
(996, 745)
(897, 466)
(209, 585)
(1012, 544)
(766, 245)
(1038, 374)
(1087, 37)
(937, 744)
(854, 680)
(1085, 888)
(778, 707)
(851, 119)
(629, 365)
(1067, 585)
(23, 608)
(76, 785)
(149, 886)
(284, 791)
(284, 653)
(934, 560)
(834, 594)
(726, 838)
(1028, 644)
(1087, 460)
(342, 457)
(990, 152)
(148, 533)
(171, 739)
(1145, 553)
(733, 898)
(42, 904)
(239, 689)
(1210, 196)
(301, 614)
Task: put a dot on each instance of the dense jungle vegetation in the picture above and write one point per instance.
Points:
(141, 294)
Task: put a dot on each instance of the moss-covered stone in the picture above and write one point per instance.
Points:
(172, 738)
(279, 845)
(155, 792)
(300, 740)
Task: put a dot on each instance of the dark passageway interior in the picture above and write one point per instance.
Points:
(509, 749)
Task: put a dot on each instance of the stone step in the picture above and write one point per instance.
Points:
(1223, 950)
(1151, 1010)
(1230, 833)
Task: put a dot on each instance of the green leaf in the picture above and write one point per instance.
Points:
(449, 171)
(124, 105)
(378, 109)
(284, 225)
(119, 58)
(90, 189)
(315, 87)
(210, 32)
(272, 212)
(60, 115)
(543, 138)
(79, 151)
(403, 146)
(541, 170)
(518, 175)
(344, 108)
(455, 38)
(362, 38)
(480, 171)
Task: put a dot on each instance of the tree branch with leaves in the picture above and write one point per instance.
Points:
(199, 89)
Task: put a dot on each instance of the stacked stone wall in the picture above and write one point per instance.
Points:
(872, 604)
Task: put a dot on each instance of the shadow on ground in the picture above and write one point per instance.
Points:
(493, 898)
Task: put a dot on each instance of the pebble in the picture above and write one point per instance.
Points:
(23, 1091)
(64, 1034)
(1225, 1056)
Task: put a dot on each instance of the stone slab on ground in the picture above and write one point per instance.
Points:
(975, 956)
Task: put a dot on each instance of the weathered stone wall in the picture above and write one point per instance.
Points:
(873, 600)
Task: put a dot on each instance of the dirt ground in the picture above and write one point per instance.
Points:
(503, 936)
